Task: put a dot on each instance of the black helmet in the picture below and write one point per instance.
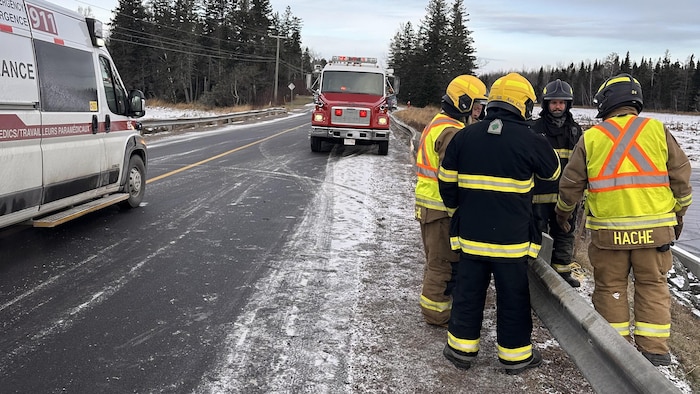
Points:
(618, 91)
(557, 90)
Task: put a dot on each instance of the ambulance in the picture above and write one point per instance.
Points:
(69, 141)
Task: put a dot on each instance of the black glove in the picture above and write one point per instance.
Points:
(563, 220)
(679, 227)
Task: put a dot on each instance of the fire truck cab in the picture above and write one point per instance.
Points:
(352, 104)
(69, 143)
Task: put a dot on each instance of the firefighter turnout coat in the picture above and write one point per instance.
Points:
(487, 178)
(431, 213)
(637, 180)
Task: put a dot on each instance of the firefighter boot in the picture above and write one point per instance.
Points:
(460, 359)
(534, 362)
(658, 359)
(570, 279)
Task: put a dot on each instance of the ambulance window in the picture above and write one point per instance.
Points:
(109, 85)
(116, 96)
(67, 80)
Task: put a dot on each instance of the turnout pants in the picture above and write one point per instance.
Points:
(514, 319)
(563, 246)
(436, 298)
(652, 299)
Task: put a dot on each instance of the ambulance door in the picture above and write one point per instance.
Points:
(20, 132)
(117, 126)
(72, 147)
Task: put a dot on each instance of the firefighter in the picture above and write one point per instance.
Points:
(465, 96)
(557, 125)
(486, 181)
(638, 189)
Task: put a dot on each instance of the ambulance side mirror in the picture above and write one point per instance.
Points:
(137, 104)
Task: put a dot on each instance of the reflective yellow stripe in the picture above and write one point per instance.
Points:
(495, 250)
(561, 268)
(463, 345)
(652, 330)
(497, 184)
(622, 328)
(447, 175)
(649, 221)
(564, 207)
(518, 354)
(544, 198)
(427, 303)
(431, 204)
(685, 201)
(564, 153)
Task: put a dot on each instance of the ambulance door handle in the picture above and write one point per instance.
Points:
(108, 123)
(95, 124)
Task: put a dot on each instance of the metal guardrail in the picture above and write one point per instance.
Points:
(156, 125)
(689, 260)
(606, 360)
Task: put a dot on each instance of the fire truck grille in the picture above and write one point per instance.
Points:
(350, 116)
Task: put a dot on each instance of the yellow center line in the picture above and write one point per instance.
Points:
(199, 163)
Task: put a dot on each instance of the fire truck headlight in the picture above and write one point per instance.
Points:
(382, 120)
(318, 117)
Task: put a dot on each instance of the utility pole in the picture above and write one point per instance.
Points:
(277, 65)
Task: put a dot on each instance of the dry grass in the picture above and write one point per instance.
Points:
(299, 101)
(417, 117)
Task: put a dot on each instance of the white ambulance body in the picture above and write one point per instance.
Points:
(68, 141)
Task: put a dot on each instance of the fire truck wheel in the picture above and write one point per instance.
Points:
(383, 148)
(135, 182)
(315, 144)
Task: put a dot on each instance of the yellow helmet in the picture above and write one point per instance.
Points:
(463, 91)
(514, 93)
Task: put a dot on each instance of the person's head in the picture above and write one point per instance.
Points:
(557, 98)
(466, 93)
(514, 93)
(622, 90)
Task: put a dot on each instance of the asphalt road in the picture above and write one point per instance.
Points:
(136, 300)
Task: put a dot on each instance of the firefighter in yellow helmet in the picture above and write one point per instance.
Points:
(486, 181)
(464, 97)
(638, 189)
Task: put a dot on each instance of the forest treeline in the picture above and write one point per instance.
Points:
(227, 52)
(440, 48)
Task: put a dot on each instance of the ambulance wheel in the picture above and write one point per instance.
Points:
(316, 144)
(383, 148)
(135, 182)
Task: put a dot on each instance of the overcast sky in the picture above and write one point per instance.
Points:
(508, 34)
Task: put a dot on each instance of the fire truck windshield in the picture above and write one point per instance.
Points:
(353, 82)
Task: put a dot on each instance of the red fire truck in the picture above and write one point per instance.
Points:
(353, 99)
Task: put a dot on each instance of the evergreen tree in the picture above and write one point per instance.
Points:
(126, 45)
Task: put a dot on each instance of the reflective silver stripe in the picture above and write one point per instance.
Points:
(643, 222)
(495, 184)
(432, 204)
(426, 173)
(564, 153)
(628, 180)
(544, 198)
(685, 201)
(620, 148)
(447, 176)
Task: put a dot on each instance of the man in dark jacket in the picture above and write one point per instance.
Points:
(557, 125)
(486, 181)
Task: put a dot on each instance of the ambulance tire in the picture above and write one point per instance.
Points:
(383, 148)
(316, 144)
(135, 182)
